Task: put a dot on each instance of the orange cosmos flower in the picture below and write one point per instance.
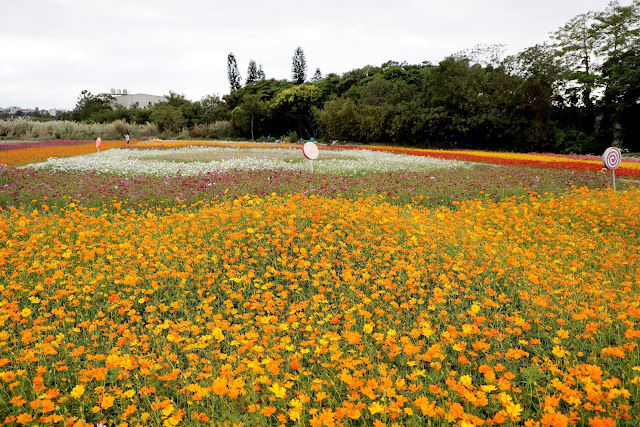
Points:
(43, 405)
(107, 401)
(554, 419)
(24, 418)
(602, 422)
(219, 386)
(267, 411)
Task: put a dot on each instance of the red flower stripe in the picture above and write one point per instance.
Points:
(628, 168)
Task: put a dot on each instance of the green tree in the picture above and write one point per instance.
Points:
(233, 74)
(176, 99)
(297, 104)
(524, 100)
(89, 107)
(168, 118)
(576, 43)
(213, 109)
(455, 103)
(317, 75)
(261, 75)
(618, 28)
(266, 91)
(339, 119)
(252, 73)
(140, 115)
(621, 108)
(299, 67)
(328, 86)
(249, 112)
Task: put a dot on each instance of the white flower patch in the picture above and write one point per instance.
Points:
(197, 160)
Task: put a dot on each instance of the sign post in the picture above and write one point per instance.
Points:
(612, 158)
(310, 151)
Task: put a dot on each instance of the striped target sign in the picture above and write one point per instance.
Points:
(310, 150)
(612, 158)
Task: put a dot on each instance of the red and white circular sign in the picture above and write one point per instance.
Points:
(98, 142)
(612, 158)
(310, 150)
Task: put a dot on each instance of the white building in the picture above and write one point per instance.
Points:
(122, 98)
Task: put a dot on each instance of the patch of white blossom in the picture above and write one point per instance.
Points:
(220, 159)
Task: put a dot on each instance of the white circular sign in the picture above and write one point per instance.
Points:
(612, 158)
(310, 150)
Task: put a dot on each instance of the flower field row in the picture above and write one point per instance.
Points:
(17, 145)
(14, 154)
(193, 160)
(36, 152)
(311, 310)
(29, 187)
(628, 168)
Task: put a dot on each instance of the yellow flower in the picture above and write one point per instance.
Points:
(368, 328)
(26, 312)
(296, 403)
(465, 380)
(559, 351)
(294, 414)
(168, 410)
(217, 334)
(129, 394)
(514, 410)
(77, 391)
(278, 390)
(375, 407)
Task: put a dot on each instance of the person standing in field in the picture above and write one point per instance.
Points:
(127, 137)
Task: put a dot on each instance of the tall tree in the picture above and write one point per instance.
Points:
(261, 75)
(299, 67)
(252, 72)
(576, 42)
(618, 28)
(620, 124)
(233, 73)
(317, 75)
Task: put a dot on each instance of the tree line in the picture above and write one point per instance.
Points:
(577, 92)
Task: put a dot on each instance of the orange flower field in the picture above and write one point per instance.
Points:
(24, 156)
(124, 305)
(305, 310)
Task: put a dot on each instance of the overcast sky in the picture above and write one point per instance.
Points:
(53, 49)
